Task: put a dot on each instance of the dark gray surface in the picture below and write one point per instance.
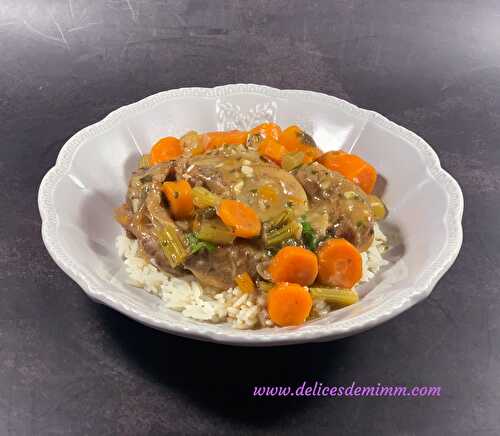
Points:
(69, 366)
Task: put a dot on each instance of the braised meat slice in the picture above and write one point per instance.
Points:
(218, 268)
(343, 207)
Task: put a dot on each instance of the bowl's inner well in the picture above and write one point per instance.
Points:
(97, 181)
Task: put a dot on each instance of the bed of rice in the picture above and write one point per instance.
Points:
(240, 310)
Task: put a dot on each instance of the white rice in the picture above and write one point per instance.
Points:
(372, 258)
(240, 310)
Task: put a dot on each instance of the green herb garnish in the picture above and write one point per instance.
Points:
(309, 236)
(196, 244)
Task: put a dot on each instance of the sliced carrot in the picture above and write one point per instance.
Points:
(165, 149)
(180, 198)
(293, 138)
(290, 138)
(295, 265)
(213, 140)
(267, 130)
(272, 149)
(245, 283)
(288, 304)
(330, 156)
(240, 218)
(339, 264)
(312, 153)
(351, 166)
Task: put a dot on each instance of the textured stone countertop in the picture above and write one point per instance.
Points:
(70, 366)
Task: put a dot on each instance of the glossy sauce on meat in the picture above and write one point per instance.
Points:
(339, 206)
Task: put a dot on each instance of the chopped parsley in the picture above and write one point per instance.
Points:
(196, 244)
(309, 236)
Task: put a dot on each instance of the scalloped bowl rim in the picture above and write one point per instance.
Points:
(339, 329)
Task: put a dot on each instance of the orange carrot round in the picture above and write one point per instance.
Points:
(295, 265)
(267, 130)
(240, 218)
(288, 304)
(312, 153)
(290, 138)
(245, 283)
(339, 264)
(272, 149)
(293, 138)
(351, 166)
(213, 140)
(180, 198)
(165, 149)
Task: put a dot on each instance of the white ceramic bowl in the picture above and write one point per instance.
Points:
(77, 197)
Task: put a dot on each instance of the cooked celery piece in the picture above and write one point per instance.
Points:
(214, 231)
(144, 161)
(290, 230)
(279, 220)
(264, 286)
(292, 160)
(172, 245)
(339, 297)
(203, 198)
(280, 228)
(378, 207)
